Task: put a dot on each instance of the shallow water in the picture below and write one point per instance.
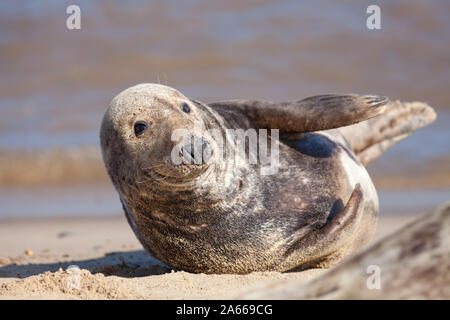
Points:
(56, 83)
(55, 201)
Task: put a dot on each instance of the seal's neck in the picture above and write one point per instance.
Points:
(218, 188)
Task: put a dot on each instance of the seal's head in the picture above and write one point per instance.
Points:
(152, 134)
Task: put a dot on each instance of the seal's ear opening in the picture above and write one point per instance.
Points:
(140, 127)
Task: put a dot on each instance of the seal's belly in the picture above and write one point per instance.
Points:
(314, 175)
(316, 178)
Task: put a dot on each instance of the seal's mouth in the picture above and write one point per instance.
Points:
(188, 164)
(177, 176)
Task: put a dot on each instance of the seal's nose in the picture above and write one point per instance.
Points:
(196, 152)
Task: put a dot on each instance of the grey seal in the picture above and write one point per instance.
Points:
(222, 217)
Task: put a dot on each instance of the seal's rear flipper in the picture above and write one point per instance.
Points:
(311, 114)
(371, 138)
(325, 246)
(344, 218)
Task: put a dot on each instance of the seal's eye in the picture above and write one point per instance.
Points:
(185, 107)
(140, 127)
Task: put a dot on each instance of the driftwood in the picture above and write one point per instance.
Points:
(412, 263)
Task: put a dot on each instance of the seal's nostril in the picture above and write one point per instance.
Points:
(192, 152)
(198, 151)
(188, 153)
(205, 143)
(206, 151)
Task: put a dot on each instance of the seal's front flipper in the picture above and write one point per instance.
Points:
(311, 114)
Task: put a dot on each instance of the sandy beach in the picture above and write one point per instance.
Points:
(35, 256)
(58, 207)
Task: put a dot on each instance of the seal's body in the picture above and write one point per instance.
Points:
(224, 217)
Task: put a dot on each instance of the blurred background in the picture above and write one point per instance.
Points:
(55, 83)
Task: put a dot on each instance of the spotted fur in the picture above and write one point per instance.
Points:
(228, 218)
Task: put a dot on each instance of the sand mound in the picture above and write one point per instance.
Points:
(63, 284)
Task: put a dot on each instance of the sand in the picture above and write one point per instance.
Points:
(35, 256)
